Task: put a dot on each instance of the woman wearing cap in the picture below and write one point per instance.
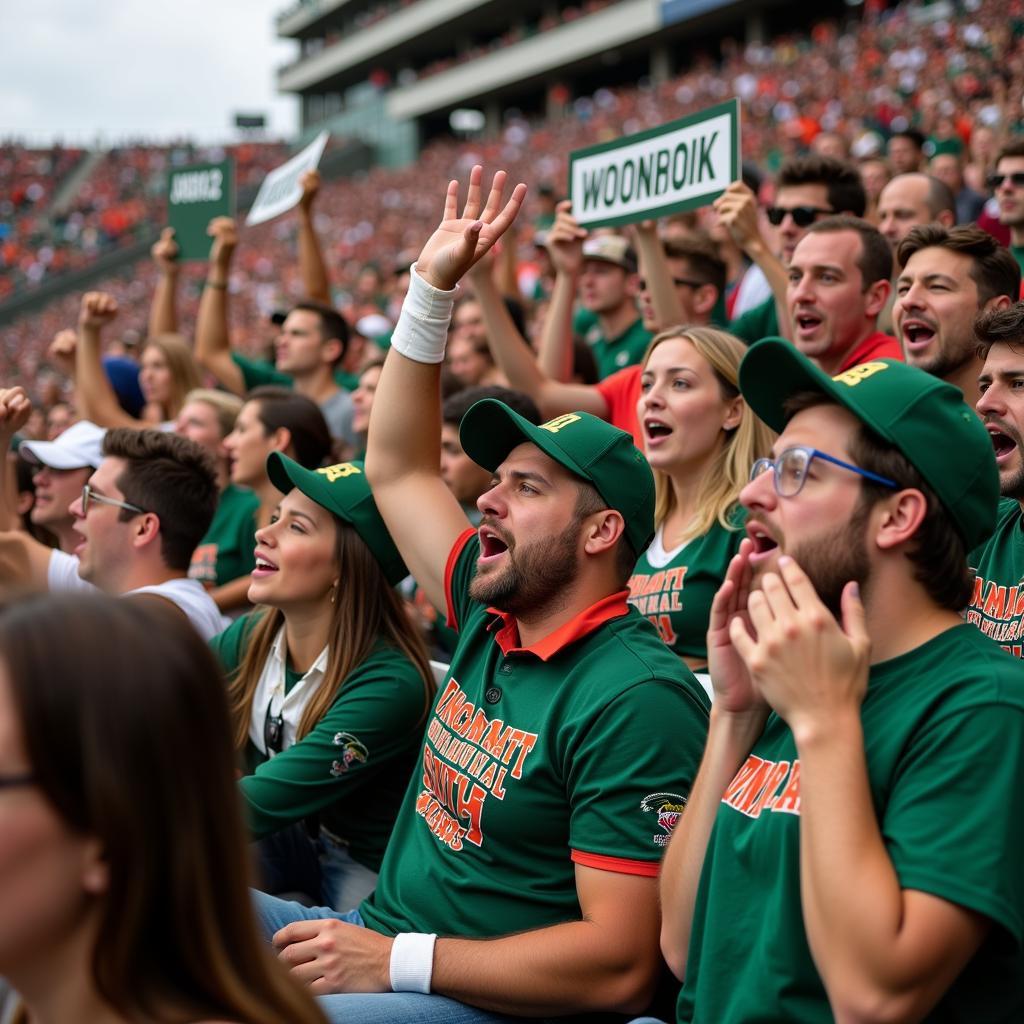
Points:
(274, 419)
(329, 681)
(701, 441)
(123, 860)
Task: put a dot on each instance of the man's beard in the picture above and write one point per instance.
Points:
(832, 561)
(533, 577)
(946, 361)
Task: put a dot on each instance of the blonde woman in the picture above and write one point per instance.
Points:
(701, 440)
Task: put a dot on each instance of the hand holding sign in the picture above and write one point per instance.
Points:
(309, 182)
(225, 238)
(283, 187)
(565, 241)
(737, 210)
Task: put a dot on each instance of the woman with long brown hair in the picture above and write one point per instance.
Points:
(329, 681)
(123, 863)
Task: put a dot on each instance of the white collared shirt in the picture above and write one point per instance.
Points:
(270, 698)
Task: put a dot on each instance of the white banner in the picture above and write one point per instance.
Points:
(280, 190)
(678, 166)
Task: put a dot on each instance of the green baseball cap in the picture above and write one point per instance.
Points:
(587, 446)
(345, 492)
(922, 416)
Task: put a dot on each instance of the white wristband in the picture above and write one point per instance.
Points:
(412, 962)
(422, 328)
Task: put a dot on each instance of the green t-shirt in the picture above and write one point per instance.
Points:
(579, 750)
(944, 744)
(257, 372)
(226, 552)
(997, 606)
(676, 595)
(353, 766)
(759, 322)
(611, 354)
(1018, 255)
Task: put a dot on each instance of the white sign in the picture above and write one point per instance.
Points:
(281, 190)
(679, 166)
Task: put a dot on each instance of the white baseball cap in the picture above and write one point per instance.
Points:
(79, 446)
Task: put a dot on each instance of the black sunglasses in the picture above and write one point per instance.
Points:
(803, 216)
(996, 180)
(273, 733)
(677, 281)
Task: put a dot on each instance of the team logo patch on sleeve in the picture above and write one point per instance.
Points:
(666, 807)
(353, 752)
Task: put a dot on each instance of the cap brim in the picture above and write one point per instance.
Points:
(46, 453)
(278, 317)
(490, 430)
(287, 475)
(772, 372)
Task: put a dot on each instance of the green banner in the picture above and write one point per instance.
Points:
(195, 195)
(678, 166)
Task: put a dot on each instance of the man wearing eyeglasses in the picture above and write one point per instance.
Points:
(1007, 184)
(843, 854)
(807, 189)
(138, 519)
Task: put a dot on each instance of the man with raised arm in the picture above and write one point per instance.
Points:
(846, 851)
(520, 878)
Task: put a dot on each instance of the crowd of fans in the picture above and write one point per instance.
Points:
(605, 622)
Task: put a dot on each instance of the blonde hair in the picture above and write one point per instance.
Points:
(719, 492)
(184, 372)
(226, 406)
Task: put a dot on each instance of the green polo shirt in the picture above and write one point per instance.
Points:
(611, 354)
(257, 372)
(759, 322)
(997, 604)
(226, 552)
(353, 766)
(677, 596)
(579, 750)
(944, 745)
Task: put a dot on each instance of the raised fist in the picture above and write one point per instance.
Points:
(61, 352)
(98, 309)
(224, 233)
(165, 251)
(15, 409)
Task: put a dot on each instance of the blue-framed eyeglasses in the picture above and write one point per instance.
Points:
(790, 470)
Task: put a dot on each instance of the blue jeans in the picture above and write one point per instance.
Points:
(372, 1008)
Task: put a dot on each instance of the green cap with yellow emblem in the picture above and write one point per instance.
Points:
(920, 415)
(345, 492)
(587, 446)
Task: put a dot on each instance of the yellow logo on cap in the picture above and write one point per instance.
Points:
(342, 469)
(559, 422)
(856, 374)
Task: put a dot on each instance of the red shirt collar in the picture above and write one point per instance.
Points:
(507, 636)
(874, 346)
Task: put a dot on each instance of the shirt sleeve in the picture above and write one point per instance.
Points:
(62, 574)
(458, 574)
(370, 724)
(757, 323)
(954, 823)
(631, 775)
(257, 372)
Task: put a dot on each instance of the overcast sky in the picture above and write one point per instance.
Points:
(117, 69)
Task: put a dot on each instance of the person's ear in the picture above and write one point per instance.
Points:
(899, 517)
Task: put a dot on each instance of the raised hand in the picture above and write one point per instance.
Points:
(458, 242)
(565, 240)
(224, 233)
(165, 251)
(97, 310)
(15, 409)
(309, 182)
(805, 664)
(737, 210)
(61, 352)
